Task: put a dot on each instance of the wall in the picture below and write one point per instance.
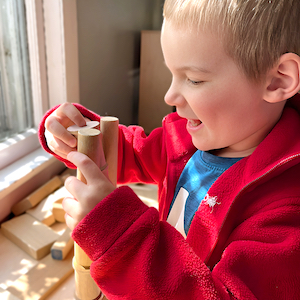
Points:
(109, 53)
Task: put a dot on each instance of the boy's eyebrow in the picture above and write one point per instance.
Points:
(191, 68)
(194, 69)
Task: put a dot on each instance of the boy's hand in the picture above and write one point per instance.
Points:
(86, 196)
(59, 140)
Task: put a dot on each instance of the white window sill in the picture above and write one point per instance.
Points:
(25, 175)
(22, 167)
(18, 146)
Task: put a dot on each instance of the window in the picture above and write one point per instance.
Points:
(50, 75)
(16, 114)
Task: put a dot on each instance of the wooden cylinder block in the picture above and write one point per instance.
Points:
(89, 143)
(109, 129)
(82, 279)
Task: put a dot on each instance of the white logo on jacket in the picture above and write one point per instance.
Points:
(211, 201)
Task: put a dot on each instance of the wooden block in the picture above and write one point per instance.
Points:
(42, 279)
(58, 211)
(62, 246)
(14, 262)
(30, 235)
(37, 196)
(43, 212)
(6, 295)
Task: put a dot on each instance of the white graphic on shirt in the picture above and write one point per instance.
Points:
(211, 201)
(176, 215)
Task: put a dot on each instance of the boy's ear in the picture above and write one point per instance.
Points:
(283, 80)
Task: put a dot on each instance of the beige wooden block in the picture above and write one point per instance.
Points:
(62, 246)
(6, 295)
(42, 279)
(14, 262)
(65, 291)
(37, 196)
(30, 235)
(27, 184)
(58, 211)
(43, 212)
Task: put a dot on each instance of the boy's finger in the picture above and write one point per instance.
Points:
(56, 130)
(59, 147)
(72, 113)
(87, 167)
(70, 222)
(75, 187)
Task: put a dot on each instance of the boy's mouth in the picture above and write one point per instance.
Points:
(194, 123)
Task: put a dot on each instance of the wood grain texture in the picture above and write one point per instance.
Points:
(37, 196)
(30, 235)
(42, 279)
(63, 245)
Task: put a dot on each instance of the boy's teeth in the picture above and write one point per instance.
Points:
(195, 122)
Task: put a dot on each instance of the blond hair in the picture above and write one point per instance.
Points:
(255, 33)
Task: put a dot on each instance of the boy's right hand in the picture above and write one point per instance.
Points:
(58, 139)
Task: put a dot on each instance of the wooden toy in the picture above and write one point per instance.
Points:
(42, 279)
(37, 196)
(90, 124)
(58, 211)
(32, 236)
(90, 143)
(6, 295)
(50, 209)
(62, 246)
(43, 211)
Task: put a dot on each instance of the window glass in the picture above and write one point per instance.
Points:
(16, 113)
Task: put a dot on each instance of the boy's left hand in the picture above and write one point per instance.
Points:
(86, 196)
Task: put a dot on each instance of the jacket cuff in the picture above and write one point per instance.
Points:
(108, 221)
(41, 130)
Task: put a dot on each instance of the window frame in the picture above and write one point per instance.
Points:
(53, 57)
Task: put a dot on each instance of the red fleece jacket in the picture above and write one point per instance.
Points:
(247, 247)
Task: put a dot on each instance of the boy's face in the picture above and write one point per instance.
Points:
(224, 109)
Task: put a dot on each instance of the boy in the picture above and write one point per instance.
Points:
(227, 164)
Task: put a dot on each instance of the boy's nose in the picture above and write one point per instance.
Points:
(173, 97)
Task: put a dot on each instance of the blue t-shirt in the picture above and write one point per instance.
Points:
(201, 171)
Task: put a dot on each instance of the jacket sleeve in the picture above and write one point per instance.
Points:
(41, 130)
(137, 256)
(141, 158)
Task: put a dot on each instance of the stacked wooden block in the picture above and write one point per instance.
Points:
(30, 229)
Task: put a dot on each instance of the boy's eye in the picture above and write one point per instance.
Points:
(194, 82)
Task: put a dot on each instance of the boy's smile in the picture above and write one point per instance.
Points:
(225, 110)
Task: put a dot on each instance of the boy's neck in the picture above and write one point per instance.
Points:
(226, 152)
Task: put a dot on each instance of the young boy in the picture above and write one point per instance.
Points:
(227, 164)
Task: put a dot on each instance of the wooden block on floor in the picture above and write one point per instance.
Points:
(42, 279)
(6, 295)
(62, 246)
(37, 196)
(58, 211)
(43, 211)
(30, 235)
(14, 262)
